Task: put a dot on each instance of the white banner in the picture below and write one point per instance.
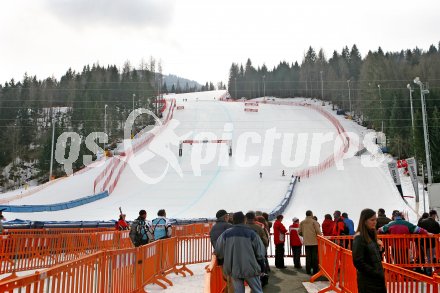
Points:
(412, 169)
(394, 172)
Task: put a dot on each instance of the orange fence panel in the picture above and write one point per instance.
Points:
(336, 264)
(214, 282)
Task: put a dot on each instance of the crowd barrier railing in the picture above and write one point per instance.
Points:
(336, 264)
(28, 252)
(404, 250)
(120, 270)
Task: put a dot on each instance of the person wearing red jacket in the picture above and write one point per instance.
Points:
(121, 224)
(279, 236)
(295, 243)
(338, 229)
(328, 225)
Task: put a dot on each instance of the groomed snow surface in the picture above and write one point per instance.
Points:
(205, 185)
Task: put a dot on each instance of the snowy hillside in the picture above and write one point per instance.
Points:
(209, 179)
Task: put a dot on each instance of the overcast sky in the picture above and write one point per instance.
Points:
(199, 39)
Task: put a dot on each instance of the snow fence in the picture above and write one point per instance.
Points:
(54, 207)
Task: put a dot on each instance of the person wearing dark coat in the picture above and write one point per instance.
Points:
(432, 226)
(382, 219)
(367, 255)
(221, 225)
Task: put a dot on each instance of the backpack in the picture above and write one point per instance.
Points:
(141, 230)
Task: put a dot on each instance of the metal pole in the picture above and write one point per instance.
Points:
(423, 187)
(51, 153)
(424, 91)
(105, 125)
(349, 94)
(264, 86)
(322, 86)
(412, 118)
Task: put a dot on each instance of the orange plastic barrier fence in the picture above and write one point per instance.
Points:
(336, 264)
(122, 270)
(409, 251)
(214, 282)
(55, 230)
(192, 229)
(29, 252)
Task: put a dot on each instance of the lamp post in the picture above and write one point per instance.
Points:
(349, 95)
(51, 153)
(105, 124)
(424, 91)
(322, 86)
(412, 116)
(381, 108)
(264, 86)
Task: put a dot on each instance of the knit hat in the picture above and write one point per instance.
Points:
(220, 214)
(295, 219)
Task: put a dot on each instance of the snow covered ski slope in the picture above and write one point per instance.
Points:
(205, 178)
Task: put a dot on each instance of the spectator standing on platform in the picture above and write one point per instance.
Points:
(340, 228)
(269, 223)
(349, 223)
(424, 217)
(140, 230)
(328, 225)
(382, 219)
(121, 224)
(432, 226)
(367, 255)
(400, 226)
(309, 230)
(250, 221)
(295, 242)
(259, 228)
(221, 225)
(279, 237)
(161, 226)
(243, 254)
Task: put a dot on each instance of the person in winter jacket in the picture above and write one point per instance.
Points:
(140, 230)
(279, 235)
(242, 252)
(220, 226)
(121, 224)
(339, 227)
(382, 219)
(328, 225)
(161, 226)
(309, 230)
(349, 223)
(432, 226)
(367, 255)
(399, 251)
(250, 221)
(295, 242)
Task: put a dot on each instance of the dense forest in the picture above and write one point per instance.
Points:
(77, 102)
(374, 88)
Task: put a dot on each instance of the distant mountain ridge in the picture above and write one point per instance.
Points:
(171, 79)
